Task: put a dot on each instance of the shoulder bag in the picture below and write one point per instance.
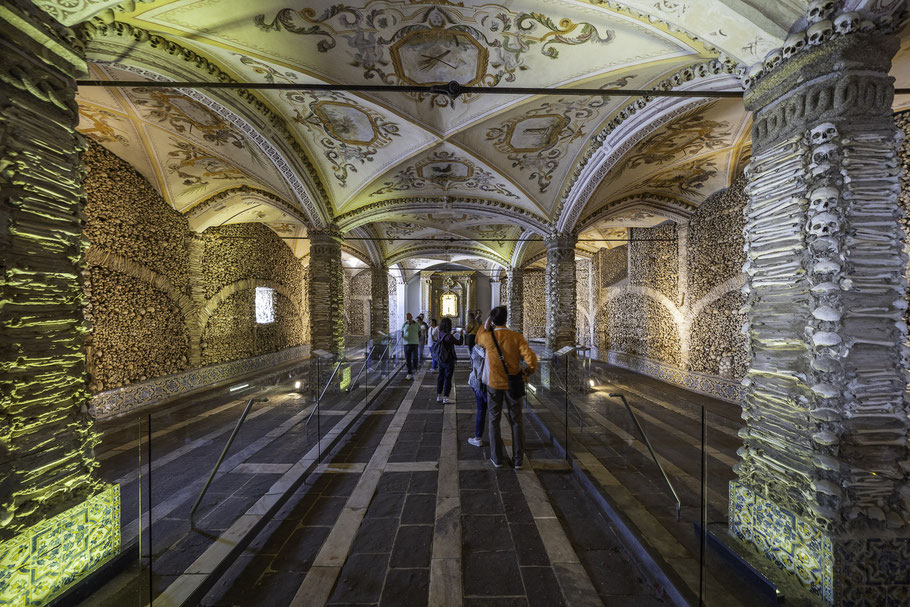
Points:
(516, 381)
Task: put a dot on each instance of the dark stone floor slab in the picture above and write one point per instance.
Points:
(406, 587)
(423, 482)
(413, 546)
(300, 550)
(528, 545)
(491, 574)
(419, 509)
(542, 587)
(393, 482)
(485, 533)
(361, 579)
(475, 501)
(386, 505)
(376, 535)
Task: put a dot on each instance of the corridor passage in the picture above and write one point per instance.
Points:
(400, 510)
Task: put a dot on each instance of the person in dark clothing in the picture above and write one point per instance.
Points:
(445, 355)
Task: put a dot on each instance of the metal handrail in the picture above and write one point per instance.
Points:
(366, 361)
(319, 399)
(644, 438)
(246, 410)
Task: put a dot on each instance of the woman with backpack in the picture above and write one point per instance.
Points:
(476, 381)
(445, 356)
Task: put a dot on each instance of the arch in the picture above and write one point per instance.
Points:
(373, 250)
(379, 211)
(425, 250)
(628, 128)
(197, 67)
(672, 208)
(355, 252)
(207, 310)
(518, 252)
(276, 201)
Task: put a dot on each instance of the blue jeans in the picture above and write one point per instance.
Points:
(444, 381)
(410, 357)
(481, 418)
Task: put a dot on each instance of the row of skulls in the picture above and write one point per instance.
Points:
(821, 28)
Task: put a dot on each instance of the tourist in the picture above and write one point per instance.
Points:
(445, 355)
(422, 336)
(470, 329)
(434, 336)
(505, 351)
(410, 334)
(475, 380)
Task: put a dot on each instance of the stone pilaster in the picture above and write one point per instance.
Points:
(47, 439)
(426, 289)
(826, 420)
(560, 294)
(326, 292)
(379, 297)
(515, 298)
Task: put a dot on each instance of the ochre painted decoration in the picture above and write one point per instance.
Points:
(54, 554)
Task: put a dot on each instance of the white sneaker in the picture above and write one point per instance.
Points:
(445, 400)
(438, 398)
(408, 376)
(475, 441)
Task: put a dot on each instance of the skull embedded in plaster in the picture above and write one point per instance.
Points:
(824, 153)
(793, 44)
(823, 133)
(820, 32)
(755, 72)
(819, 10)
(823, 200)
(824, 224)
(701, 70)
(866, 26)
(846, 23)
(772, 59)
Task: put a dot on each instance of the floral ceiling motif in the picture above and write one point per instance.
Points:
(433, 44)
(538, 139)
(349, 133)
(690, 135)
(441, 170)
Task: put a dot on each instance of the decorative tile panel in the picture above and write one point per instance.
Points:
(796, 546)
(54, 554)
(709, 385)
(121, 400)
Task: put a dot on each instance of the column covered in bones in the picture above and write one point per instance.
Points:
(326, 291)
(515, 298)
(379, 300)
(560, 277)
(826, 417)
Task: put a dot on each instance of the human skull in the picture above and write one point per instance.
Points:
(824, 224)
(729, 63)
(794, 43)
(866, 26)
(819, 10)
(772, 59)
(701, 70)
(820, 32)
(846, 23)
(755, 72)
(688, 74)
(824, 153)
(823, 133)
(823, 200)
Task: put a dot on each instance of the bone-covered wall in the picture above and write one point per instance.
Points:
(676, 300)
(357, 294)
(236, 259)
(137, 275)
(156, 292)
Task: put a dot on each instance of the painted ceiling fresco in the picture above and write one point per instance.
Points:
(378, 154)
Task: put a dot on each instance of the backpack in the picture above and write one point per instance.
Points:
(445, 351)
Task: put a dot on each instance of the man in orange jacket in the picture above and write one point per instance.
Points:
(514, 349)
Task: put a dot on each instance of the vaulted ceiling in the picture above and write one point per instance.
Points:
(438, 178)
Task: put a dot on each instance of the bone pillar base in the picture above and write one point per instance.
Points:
(871, 569)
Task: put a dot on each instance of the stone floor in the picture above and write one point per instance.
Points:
(606, 445)
(400, 510)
